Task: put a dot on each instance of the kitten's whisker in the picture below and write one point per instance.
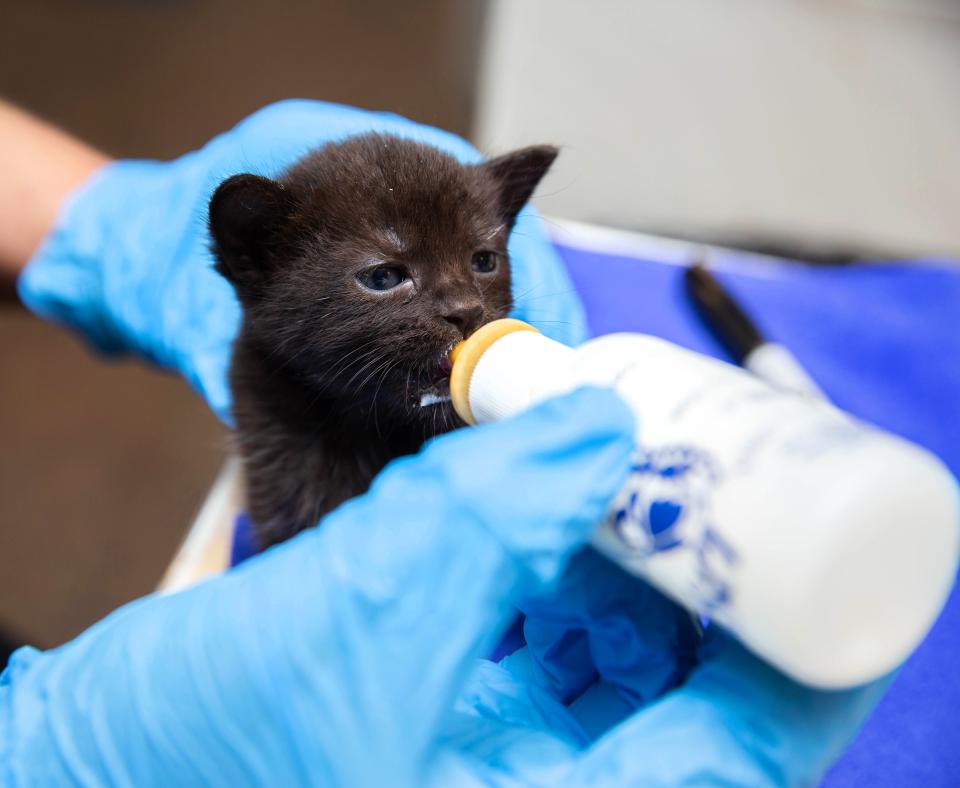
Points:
(383, 377)
(524, 294)
(347, 362)
(553, 294)
(277, 350)
(363, 359)
(366, 366)
(376, 413)
(376, 370)
(340, 370)
(359, 348)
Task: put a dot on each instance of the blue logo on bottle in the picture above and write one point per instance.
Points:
(666, 499)
(665, 506)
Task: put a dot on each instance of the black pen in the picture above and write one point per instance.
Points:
(742, 339)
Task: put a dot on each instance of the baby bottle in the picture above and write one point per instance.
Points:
(827, 546)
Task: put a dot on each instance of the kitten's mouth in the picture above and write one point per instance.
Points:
(435, 381)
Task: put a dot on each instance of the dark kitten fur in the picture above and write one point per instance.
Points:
(357, 270)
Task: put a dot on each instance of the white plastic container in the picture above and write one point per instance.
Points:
(827, 546)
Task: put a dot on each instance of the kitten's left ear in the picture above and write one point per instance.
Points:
(518, 174)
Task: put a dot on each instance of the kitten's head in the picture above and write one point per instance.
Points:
(361, 266)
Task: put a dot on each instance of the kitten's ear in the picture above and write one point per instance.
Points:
(518, 174)
(246, 212)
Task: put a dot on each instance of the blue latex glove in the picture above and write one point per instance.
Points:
(348, 655)
(128, 266)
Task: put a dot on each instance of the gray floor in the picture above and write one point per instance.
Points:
(103, 464)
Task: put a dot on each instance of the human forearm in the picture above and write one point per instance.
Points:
(41, 165)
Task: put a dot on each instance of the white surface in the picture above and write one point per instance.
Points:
(830, 121)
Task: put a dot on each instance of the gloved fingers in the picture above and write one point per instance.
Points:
(272, 138)
(736, 721)
(127, 265)
(600, 622)
(405, 585)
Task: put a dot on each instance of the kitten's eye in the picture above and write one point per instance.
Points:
(484, 262)
(383, 277)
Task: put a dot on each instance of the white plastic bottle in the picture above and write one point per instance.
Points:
(827, 546)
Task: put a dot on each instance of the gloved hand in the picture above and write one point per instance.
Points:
(338, 657)
(128, 266)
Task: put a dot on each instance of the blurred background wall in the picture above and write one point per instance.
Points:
(825, 123)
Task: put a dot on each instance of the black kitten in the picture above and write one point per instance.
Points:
(357, 270)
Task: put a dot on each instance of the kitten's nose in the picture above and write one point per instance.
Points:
(466, 317)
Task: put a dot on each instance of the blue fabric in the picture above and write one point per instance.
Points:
(883, 341)
(244, 543)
